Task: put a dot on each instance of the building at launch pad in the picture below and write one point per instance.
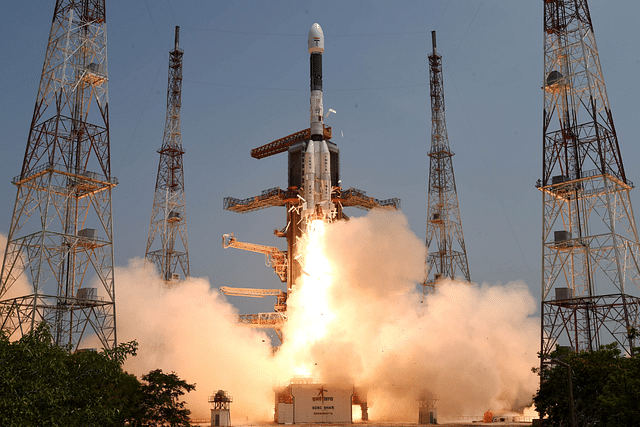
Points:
(303, 402)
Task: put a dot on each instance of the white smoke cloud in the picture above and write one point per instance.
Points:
(191, 329)
(471, 345)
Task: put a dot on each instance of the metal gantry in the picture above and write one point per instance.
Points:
(285, 263)
(58, 263)
(446, 253)
(590, 250)
(167, 246)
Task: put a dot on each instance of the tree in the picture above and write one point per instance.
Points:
(42, 384)
(30, 390)
(606, 388)
(47, 385)
(102, 390)
(161, 400)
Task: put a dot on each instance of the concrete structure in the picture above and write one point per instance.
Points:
(308, 402)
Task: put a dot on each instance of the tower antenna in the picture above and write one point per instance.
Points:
(590, 250)
(170, 254)
(446, 253)
(60, 238)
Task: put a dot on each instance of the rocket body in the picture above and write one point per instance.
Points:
(316, 49)
(317, 160)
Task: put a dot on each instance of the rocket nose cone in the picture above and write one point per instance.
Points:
(316, 39)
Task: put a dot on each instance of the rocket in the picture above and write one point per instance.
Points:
(317, 160)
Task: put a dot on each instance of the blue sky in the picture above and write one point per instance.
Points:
(246, 83)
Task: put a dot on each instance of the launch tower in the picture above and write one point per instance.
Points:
(58, 264)
(168, 220)
(590, 250)
(446, 253)
(313, 192)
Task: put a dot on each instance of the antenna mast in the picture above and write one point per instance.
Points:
(446, 253)
(168, 216)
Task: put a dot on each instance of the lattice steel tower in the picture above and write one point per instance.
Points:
(447, 256)
(60, 238)
(168, 219)
(590, 249)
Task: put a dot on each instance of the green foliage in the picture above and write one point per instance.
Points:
(161, 400)
(120, 353)
(30, 390)
(606, 388)
(42, 384)
(46, 385)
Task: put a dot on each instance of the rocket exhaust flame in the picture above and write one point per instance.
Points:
(311, 300)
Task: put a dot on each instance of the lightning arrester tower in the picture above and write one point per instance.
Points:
(168, 221)
(58, 263)
(590, 249)
(446, 253)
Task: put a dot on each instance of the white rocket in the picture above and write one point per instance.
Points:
(317, 160)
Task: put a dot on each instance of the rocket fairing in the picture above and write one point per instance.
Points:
(317, 164)
(316, 49)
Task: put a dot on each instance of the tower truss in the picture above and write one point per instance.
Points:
(167, 246)
(446, 253)
(590, 250)
(58, 263)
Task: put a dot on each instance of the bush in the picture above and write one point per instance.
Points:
(606, 388)
(42, 384)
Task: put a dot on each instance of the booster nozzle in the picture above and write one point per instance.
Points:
(316, 39)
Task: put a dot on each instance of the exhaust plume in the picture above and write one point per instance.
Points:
(359, 320)
(191, 330)
(471, 345)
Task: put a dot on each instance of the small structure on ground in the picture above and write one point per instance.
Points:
(220, 415)
(427, 412)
